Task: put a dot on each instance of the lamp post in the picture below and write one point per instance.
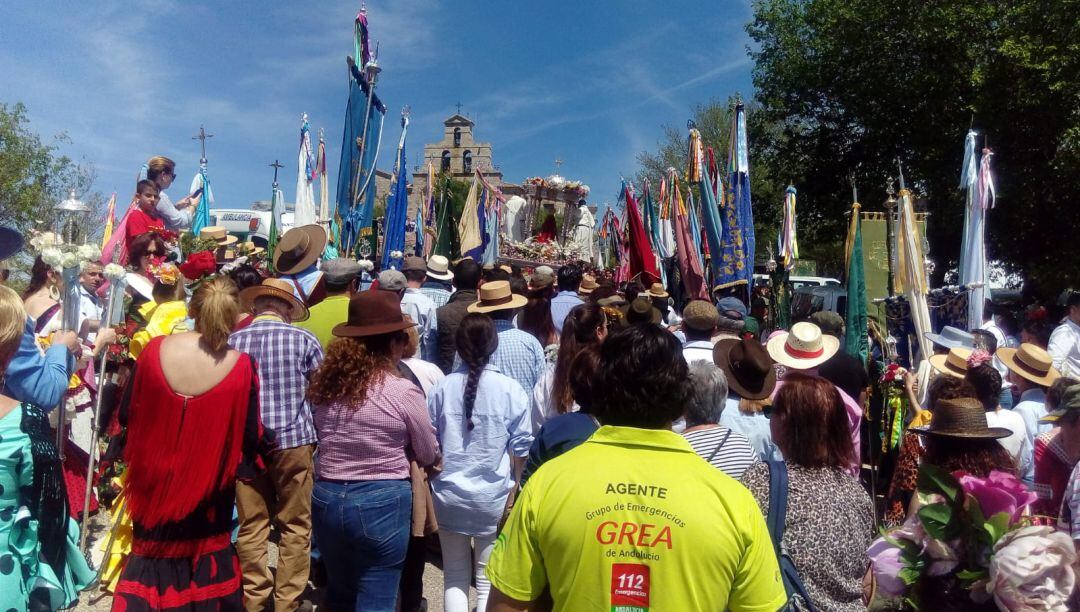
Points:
(890, 234)
(68, 215)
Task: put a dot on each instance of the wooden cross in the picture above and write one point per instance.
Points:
(276, 165)
(201, 137)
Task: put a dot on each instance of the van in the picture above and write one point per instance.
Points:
(805, 301)
(248, 224)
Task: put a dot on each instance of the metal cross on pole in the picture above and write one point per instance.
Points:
(276, 166)
(459, 108)
(201, 137)
(558, 164)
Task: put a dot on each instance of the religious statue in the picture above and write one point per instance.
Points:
(583, 232)
(514, 218)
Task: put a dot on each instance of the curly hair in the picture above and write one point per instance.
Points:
(351, 366)
(476, 340)
(987, 384)
(644, 378)
(975, 456)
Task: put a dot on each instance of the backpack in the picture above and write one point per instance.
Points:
(798, 597)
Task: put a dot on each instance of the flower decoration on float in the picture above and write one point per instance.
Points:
(974, 536)
(366, 265)
(199, 265)
(114, 272)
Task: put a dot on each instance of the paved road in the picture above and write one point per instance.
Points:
(433, 584)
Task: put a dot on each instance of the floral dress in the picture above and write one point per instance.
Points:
(39, 555)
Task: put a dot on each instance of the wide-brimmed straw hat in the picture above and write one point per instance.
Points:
(803, 348)
(953, 363)
(588, 285)
(299, 248)
(275, 288)
(748, 367)
(1030, 362)
(218, 234)
(497, 295)
(656, 290)
(438, 267)
(952, 337)
(962, 417)
(372, 313)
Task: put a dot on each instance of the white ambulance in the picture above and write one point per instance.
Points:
(252, 224)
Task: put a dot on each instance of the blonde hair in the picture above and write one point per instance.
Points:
(215, 308)
(12, 323)
(159, 165)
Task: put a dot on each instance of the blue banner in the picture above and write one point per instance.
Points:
(356, 176)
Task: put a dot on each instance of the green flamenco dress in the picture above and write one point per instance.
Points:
(40, 563)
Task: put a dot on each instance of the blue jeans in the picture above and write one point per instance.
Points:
(363, 531)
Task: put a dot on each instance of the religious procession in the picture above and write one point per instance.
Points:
(435, 388)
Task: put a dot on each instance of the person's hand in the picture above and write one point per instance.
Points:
(105, 337)
(70, 340)
(184, 203)
(911, 383)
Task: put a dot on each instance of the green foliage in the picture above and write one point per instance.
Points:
(849, 86)
(939, 520)
(932, 479)
(34, 177)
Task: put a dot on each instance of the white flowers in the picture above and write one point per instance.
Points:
(114, 271)
(69, 260)
(40, 242)
(366, 265)
(52, 256)
(88, 252)
(396, 254)
(1032, 569)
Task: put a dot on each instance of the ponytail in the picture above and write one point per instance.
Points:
(215, 308)
(476, 341)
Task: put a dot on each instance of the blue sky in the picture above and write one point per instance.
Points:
(589, 82)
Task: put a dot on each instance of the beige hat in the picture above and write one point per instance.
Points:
(438, 267)
(275, 288)
(700, 315)
(657, 291)
(1031, 363)
(588, 284)
(953, 363)
(803, 348)
(496, 295)
(218, 234)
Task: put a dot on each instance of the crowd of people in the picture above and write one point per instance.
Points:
(561, 441)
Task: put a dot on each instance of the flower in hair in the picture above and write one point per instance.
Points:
(978, 358)
(166, 273)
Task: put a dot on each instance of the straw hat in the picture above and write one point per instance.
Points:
(803, 348)
(218, 234)
(1030, 362)
(299, 248)
(962, 417)
(438, 267)
(700, 315)
(496, 295)
(372, 313)
(749, 369)
(656, 290)
(953, 363)
(275, 288)
(250, 249)
(588, 285)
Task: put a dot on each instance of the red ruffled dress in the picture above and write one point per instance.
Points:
(184, 455)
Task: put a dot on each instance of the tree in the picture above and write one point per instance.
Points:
(34, 177)
(713, 120)
(852, 86)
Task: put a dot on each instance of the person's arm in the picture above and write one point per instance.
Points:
(500, 602)
(175, 217)
(314, 357)
(418, 427)
(40, 379)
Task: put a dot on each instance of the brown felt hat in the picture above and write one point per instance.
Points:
(748, 367)
(962, 417)
(299, 248)
(372, 313)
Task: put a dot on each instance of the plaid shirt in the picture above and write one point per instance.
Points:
(519, 355)
(437, 294)
(286, 356)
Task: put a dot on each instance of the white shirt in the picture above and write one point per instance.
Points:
(543, 405)
(698, 350)
(90, 308)
(1017, 443)
(1003, 342)
(427, 373)
(1031, 408)
(1064, 348)
(421, 309)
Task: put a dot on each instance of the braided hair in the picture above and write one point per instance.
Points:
(476, 340)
